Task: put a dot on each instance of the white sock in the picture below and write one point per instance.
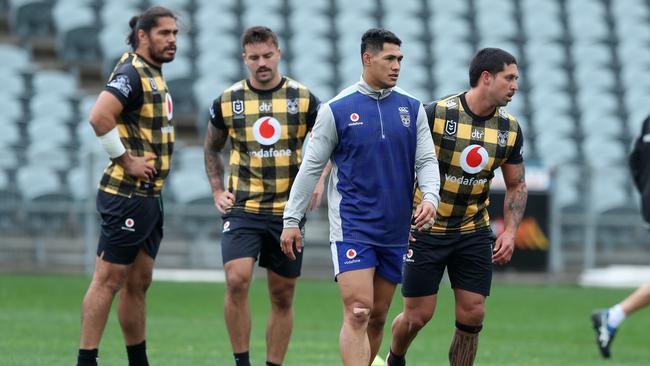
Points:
(615, 316)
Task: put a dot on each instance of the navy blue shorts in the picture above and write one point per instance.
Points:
(258, 236)
(387, 261)
(467, 257)
(129, 224)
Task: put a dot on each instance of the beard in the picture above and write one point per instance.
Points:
(159, 57)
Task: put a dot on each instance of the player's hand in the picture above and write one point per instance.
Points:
(423, 214)
(503, 248)
(411, 238)
(223, 200)
(291, 235)
(139, 167)
(317, 196)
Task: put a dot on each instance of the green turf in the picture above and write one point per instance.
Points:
(526, 325)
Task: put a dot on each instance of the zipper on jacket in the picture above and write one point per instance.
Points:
(381, 120)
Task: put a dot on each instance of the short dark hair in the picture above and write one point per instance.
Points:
(374, 39)
(492, 60)
(258, 34)
(145, 21)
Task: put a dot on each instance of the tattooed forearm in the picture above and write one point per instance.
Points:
(214, 142)
(516, 195)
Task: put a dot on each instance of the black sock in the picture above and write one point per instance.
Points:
(395, 360)
(241, 359)
(272, 364)
(87, 357)
(137, 354)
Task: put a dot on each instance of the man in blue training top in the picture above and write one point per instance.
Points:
(378, 138)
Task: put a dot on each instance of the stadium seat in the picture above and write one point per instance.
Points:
(608, 194)
(77, 40)
(565, 187)
(28, 18)
(9, 158)
(263, 13)
(189, 158)
(11, 109)
(49, 81)
(46, 130)
(10, 135)
(444, 26)
(82, 185)
(14, 59)
(541, 20)
(452, 9)
(190, 186)
(85, 135)
(48, 156)
(603, 151)
(52, 107)
(584, 77)
(13, 84)
(39, 182)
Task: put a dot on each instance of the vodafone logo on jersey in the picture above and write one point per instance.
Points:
(473, 159)
(267, 130)
(351, 253)
(169, 106)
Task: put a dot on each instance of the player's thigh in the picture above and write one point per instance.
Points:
(242, 237)
(424, 264)
(271, 256)
(356, 288)
(470, 267)
(128, 224)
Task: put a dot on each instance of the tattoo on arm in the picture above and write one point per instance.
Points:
(516, 195)
(215, 139)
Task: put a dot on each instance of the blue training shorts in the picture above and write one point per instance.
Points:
(387, 261)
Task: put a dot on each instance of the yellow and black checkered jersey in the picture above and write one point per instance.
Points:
(145, 125)
(267, 129)
(469, 149)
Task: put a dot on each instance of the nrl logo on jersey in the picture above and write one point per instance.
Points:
(503, 113)
(450, 129)
(292, 106)
(502, 138)
(404, 116)
(238, 106)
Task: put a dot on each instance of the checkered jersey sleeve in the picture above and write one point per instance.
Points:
(126, 86)
(216, 117)
(312, 112)
(516, 154)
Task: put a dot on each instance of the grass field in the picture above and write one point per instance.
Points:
(526, 325)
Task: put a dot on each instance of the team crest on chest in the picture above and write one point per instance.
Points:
(404, 116)
(502, 138)
(238, 106)
(292, 106)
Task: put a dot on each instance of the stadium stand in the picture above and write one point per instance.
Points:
(583, 90)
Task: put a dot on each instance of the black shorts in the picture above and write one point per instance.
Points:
(129, 224)
(467, 257)
(257, 235)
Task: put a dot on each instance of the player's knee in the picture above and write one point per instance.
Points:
(417, 319)
(237, 285)
(111, 282)
(472, 313)
(139, 283)
(360, 314)
(282, 298)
